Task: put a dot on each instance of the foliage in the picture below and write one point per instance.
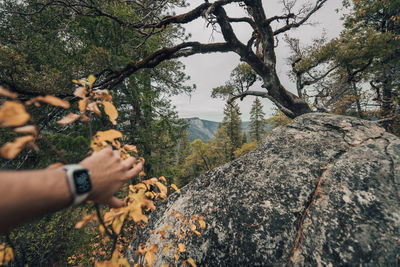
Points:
(41, 52)
(257, 121)
(357, 73)
(246, 148)
(242, 78)
(231, 125)
(278, 119)
(141, 196)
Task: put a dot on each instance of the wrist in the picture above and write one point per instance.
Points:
(79, 182)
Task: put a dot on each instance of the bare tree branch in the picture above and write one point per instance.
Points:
(289, 26)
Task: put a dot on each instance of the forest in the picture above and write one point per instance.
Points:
(73, 70)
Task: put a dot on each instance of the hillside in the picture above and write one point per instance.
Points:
(204, 129)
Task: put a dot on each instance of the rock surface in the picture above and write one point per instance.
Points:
(321, 191)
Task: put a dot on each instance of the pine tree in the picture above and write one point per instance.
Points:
(231, 124)
(257, 121)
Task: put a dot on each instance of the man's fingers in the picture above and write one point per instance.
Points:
(114, 202)
(135, 171)
(128, 163)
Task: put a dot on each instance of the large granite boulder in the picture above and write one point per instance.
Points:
(321, 191)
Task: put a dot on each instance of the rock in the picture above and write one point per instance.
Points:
(321, 191)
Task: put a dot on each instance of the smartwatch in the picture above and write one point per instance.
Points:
(78, 179)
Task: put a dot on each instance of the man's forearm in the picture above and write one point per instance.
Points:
(27, 194)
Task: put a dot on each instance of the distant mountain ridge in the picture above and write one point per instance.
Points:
(201, 129)
(205, 129)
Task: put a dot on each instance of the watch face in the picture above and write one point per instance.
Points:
(82, 182)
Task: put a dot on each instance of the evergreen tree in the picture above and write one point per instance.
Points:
(232, 126)
(244, 138)
(257, 121)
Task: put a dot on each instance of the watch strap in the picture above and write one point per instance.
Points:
(76, 198)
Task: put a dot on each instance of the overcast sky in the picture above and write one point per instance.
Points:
(212, 70)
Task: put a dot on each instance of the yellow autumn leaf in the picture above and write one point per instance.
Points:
(108, 135)
(102, 95)
(7, 93)
(166, 227)
(191, 262)
(77, 82)
(112, 214)
(176, 255)
(181, 247)
(85, 220)
(70, 118)
(91, 80)
(94, 108)
(163, 190)
(6, 254)
(81, 92)
(141, 250)
(197, 233)
(131, 148)
(139, 202)
(117, 223)
(166, 248)
(162, 178)
(13, 114)
(29, 129)
(111, 111)
(149, 257)
(11, 149)
(176, 188)
(192, 226)
(202, 224)
(83, 104)
(53, 100)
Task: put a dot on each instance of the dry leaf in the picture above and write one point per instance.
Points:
(176, 188)
(70, 118)
(149, 257)
(139, 202)
(108, 135)
(191, 261)
(13, 114)
(7, 93)
(94, 108)
(87, 219)
(131, 148)
(167, 247)
(11, 149)
(53, 100)
(181, 247)
(163, 190)
(202, 224)
(81, 92)
(83, 104)
(91, 80)
(102, 95)
(6, 254)
(30, 129)
(111, 111)
(162, 178)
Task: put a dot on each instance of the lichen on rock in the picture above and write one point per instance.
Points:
(321, 191)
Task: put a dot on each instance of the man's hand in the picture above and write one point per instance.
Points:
(108, 174)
